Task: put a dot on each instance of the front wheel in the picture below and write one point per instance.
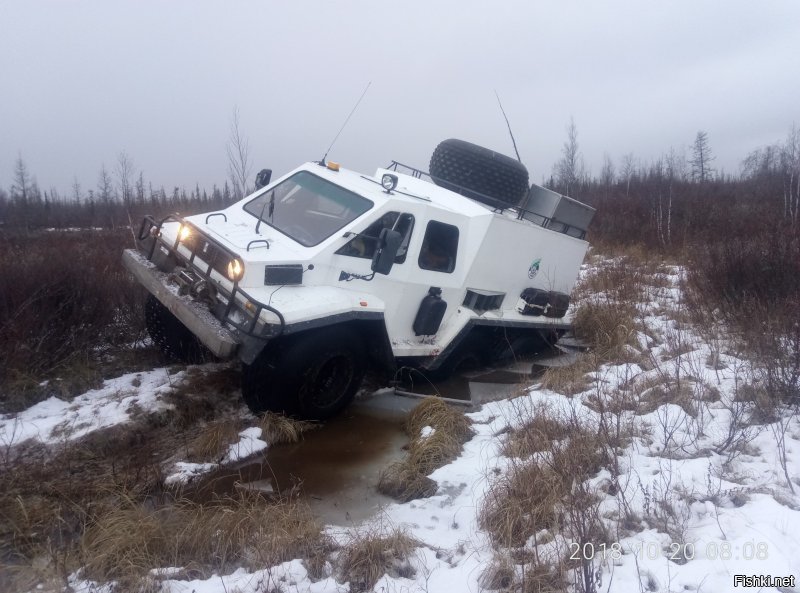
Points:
(313, 375)
(173, 338)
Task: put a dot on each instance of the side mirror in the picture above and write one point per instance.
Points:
(263, 177)
(388, 246)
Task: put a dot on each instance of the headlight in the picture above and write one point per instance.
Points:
(184, 232)
(235, 270)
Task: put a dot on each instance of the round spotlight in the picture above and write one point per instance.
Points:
(235, 270)
(389, 182)
(184, 232)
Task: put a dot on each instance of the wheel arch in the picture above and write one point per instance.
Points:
(371, 327)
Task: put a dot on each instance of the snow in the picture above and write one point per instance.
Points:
(55, 420)
(731, 514)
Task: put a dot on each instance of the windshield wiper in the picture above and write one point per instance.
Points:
(264, 207)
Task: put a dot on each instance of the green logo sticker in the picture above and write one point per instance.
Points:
(534, 269)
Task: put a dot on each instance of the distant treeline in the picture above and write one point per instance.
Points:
(669, 203)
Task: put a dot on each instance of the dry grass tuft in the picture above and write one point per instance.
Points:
(126, 542)
(521, 502)
(402, 480)
(499, 575)
(609, 327)
(205, 394)
(406, 480)
(277, 428)
(374, 552)
(444, 418)
(212, 441)
(570, 379)
(536, 434)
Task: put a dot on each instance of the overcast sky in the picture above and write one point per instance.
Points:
(84, 80)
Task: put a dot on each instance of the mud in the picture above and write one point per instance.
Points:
(334, 468)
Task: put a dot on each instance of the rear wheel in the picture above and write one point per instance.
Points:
(173, 338)
(313, 375)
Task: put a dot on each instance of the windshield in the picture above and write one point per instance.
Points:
(308, 208)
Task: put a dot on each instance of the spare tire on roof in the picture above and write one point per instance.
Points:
(479, 173)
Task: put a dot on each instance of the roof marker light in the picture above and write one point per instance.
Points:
(332, 166)
(389, 182)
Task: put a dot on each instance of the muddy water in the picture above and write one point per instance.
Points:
(335, 468)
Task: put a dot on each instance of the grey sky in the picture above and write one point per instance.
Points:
(84, 80)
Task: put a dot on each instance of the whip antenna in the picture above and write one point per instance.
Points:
(510, 133)
(322, 162)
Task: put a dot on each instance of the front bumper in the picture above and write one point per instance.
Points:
(222, 342)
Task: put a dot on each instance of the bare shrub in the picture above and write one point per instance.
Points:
(373, 552)
(64, 298)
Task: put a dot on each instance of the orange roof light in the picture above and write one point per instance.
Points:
(332, 166)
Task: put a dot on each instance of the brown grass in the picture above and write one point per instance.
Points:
(444, 418)
(374, 552)
(536, 434)
(211, 442)
(65, 299)
(610, 328)
(570, 379)
(245, 530)
(406, 480)
(544, 485)
(521, 502)
(277, 428)
(403, 481)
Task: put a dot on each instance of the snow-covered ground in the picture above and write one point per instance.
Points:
(704, 512)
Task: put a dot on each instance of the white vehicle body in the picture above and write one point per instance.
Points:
(497, 254)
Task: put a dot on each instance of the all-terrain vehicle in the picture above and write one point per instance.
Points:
(325, 273)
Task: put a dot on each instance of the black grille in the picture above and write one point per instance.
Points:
(283, 274)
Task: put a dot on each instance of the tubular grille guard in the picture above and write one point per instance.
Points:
(149, 238)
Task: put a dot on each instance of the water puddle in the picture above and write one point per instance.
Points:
(336, 467)
(492, 383)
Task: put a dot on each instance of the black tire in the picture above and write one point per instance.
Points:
(173, 338)
(484, 175)
(313, 375)
(470, 355)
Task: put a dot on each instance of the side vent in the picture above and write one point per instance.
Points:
(483, 300)
(283, 274)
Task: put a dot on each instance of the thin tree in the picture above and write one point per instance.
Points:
(125, 173)
(76, 191)
(790, 163)
(21, 187)
(105, 193)
(569, 169)
(239, 165)
(702, 158)
(22, 190)
(607, 174)
(628, 171)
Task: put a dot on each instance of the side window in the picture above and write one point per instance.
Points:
(364, 244)
(439, 247)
